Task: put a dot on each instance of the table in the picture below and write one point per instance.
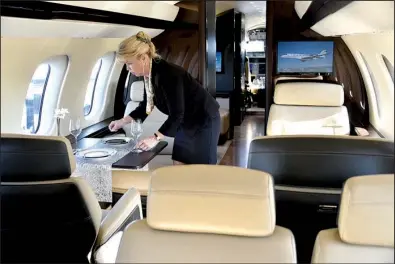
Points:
(133, 161)
(98, 172)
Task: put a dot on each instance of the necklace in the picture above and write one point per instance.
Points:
(149, 90)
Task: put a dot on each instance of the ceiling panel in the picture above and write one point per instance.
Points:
(301, 7)
(37, 28)
(358, 17)
(255, 11)
(164, 10)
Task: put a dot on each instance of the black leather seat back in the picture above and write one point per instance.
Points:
(320, 161)
(45, 215)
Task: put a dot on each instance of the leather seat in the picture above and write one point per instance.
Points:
(48, 216)
(225, 118)
(208, 214)
(308, 108)
(365, 232)
(286, 78)
(309, 173)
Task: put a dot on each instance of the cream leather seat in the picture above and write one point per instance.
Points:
(47, 215)
(365, 231)
(225, 118)
(208, 214)
(287, 78)
(308, 108)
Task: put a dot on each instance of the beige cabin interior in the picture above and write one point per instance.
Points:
(304, 169)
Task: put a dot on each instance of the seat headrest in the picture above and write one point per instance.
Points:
(366, 215)
(283, 78)
(137, 91)
(309, 94)
(211, 199)
(31, 158)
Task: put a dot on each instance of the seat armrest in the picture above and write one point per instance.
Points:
(125, 211)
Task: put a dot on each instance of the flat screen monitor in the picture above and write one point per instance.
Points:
(305, 57)
(218, 62)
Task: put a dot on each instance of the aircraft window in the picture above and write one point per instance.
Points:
(127, 81)
(34, 98)
(372, 80)
(126, 97)
(99, 87)
(90, 92)
(389, 66)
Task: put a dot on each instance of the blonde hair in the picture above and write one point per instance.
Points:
(136, 46)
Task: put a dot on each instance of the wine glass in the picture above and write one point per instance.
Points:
(136, 130)
(75, 128)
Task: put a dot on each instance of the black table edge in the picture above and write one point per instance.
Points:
(157, 149)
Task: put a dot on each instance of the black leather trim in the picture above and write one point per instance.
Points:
(24, 159)
(48, 11)
(325, 162)
(45, 223)
(119, 106)
(308, 198)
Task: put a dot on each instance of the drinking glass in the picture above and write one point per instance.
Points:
(136, 130)
(75, 129)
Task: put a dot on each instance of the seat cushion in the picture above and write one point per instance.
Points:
(213, 191)
(178, 247)
(329, 248)
(308, 120)
(309, 94)
(283, 78)
(225, 120)
(366, 214)
(123, 180)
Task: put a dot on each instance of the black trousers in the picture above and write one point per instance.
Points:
(200, 148)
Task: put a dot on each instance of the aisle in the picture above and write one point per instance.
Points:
(237, 154)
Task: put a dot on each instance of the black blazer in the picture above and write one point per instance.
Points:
(180, 96)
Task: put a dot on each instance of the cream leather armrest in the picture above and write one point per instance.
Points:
(125, 211)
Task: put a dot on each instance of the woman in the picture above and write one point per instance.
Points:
(193, 114)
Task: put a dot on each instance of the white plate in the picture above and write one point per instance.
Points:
(96, 153)
(115, 141)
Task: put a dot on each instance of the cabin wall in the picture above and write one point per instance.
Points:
(180, 47)
(230, 81)
(21, 56)
(379, 84)
(239, 67)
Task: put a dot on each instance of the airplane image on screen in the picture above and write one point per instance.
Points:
(305, 57)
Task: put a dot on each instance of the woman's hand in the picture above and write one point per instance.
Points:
(117, 124)
(148, 143)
